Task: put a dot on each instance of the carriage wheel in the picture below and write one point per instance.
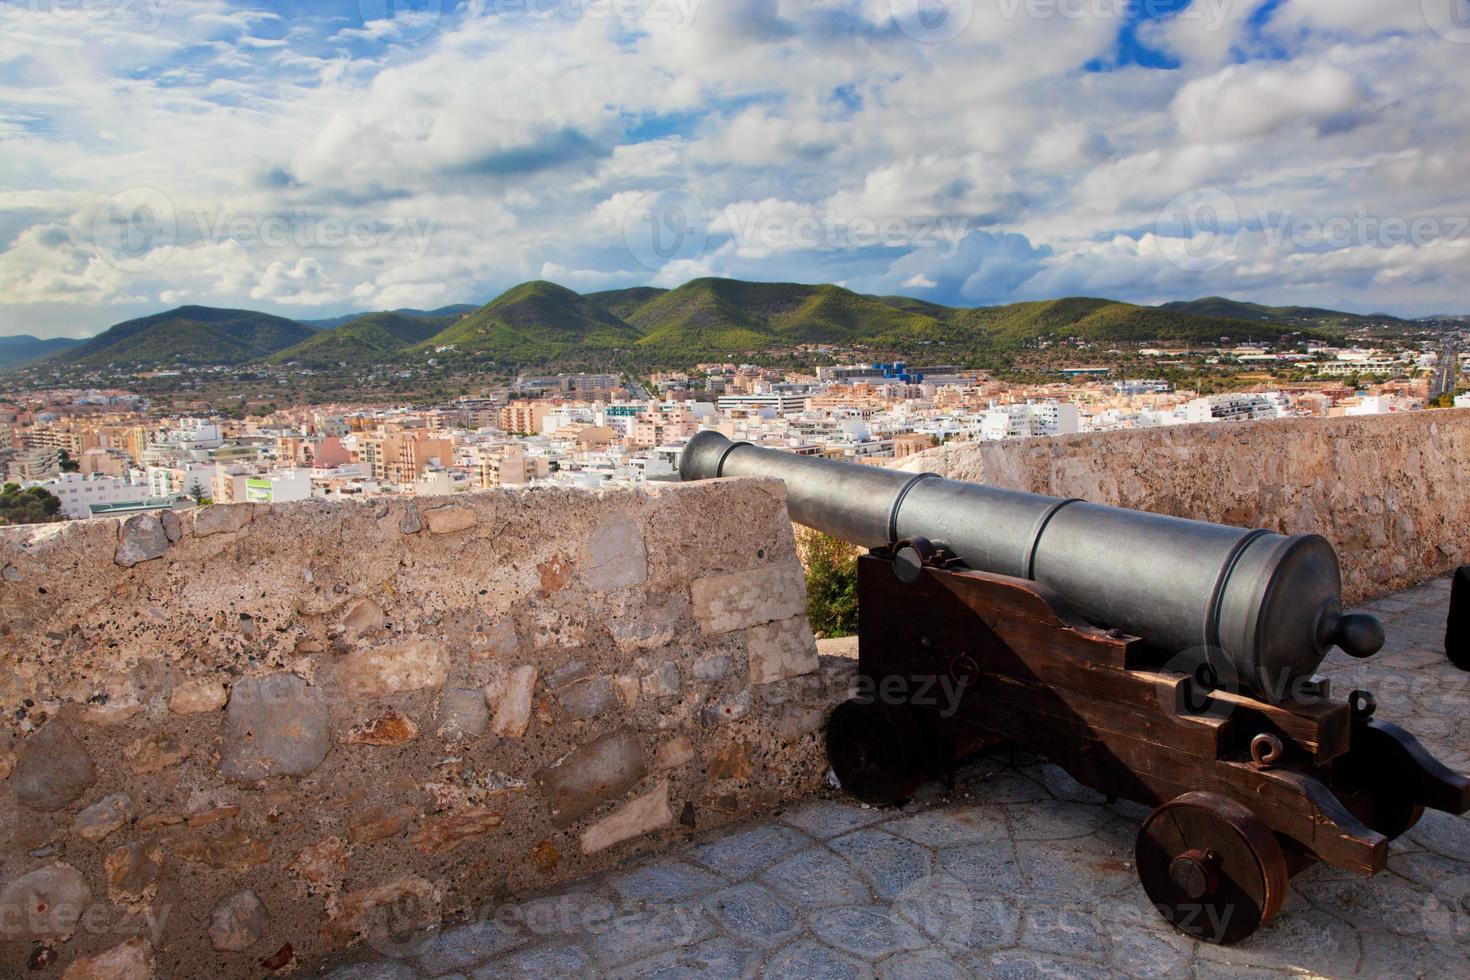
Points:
(876, 750)
(1211, 867)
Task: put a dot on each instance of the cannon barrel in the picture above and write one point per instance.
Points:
(1261, 609)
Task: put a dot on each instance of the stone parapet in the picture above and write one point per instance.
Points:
(314, 725)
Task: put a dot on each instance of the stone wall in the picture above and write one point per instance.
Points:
(1391, 492)
(246, 727)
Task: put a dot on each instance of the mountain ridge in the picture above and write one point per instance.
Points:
(362, 340)
(22, 348)
(188, 336)
(540, 323)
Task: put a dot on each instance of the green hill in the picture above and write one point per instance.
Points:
(439, 314)
(365, 341)
(1311, 317)
(726, 316)
(545, 325)
(621, 303)
(189, 335)
(536, 322)
(19, 350)
(1107, 321)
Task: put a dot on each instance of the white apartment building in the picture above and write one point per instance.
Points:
(1235, 407)
(1377, 405)
(1353, 362)
(78, 493)
(279, 487)
(1463, 401)
(780, 402)
(1031, 419)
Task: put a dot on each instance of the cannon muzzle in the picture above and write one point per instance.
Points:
(1259, 609)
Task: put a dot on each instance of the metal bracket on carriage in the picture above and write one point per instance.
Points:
(913, 555)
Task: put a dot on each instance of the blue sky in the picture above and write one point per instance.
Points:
(316, 159)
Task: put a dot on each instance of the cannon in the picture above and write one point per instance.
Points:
(1163, 661)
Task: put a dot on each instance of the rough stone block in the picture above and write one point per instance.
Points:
(379, 823)
(449, 520)
(645, 626)
(132, 871)
(141, 538)
(387, 730)
(364, 617)
(614, 556)
(499, 640)
(44, 904)
(598, 771)
(401, 904)
(450, 832)
(712, 667)
(781, 650)
(238, 922)
(234, 851)
(321, 863)
(674, 753)
(756, 596)
(627, 692)
(639, 816)
(463, 714)
(726, 710)
(198, 696)
(663, 682)
(376, 673)
(587, 698)
(132, 960)
(513, 703)
(222, 519)
(274, 726)
(103, 817)
(731, 762)
(52, 769)
(154, 753)
(796, 721)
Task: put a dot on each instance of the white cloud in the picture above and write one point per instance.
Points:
(526, 142)
(1251, 101)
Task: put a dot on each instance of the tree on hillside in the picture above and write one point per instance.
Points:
(69, 465)
(33, 506)
(197, 494)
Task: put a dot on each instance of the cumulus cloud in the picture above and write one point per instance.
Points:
(1252, 101)
(518, 147)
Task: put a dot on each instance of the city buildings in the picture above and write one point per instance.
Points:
(110, 453)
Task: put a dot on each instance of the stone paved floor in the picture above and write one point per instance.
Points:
(1016, 872)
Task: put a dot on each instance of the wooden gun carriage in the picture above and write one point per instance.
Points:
(1247, 793)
